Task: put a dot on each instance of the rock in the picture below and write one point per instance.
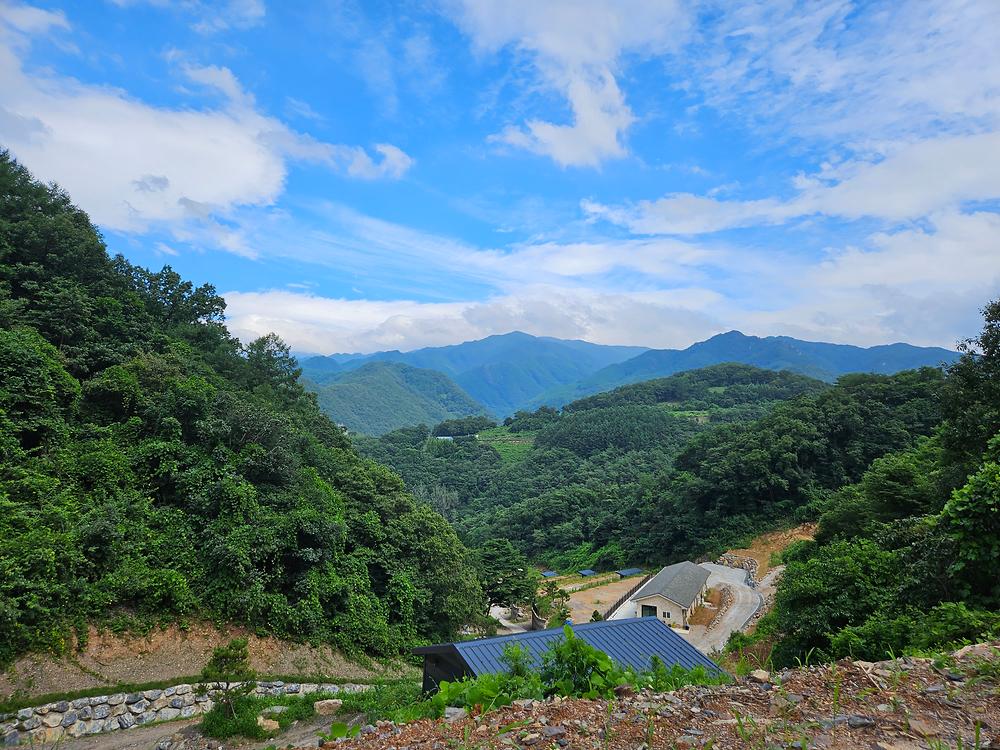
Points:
(111, 725)
(309, 687)
(268, 725)
(11, 738)
(166, 714)
(62, 706)
(69, 718)
(292, 687)
(126, 721)
(98, 700)
(133, 698)
(164, 744)
(177, 702)
(554, 731)
(368, 729)
(52, 719)
(117, 698)
(168, 692)
(271, 711)
(94, 727)
(147, 717)
(138, 707)
(451, 713)
(86, 713)
(859, 722)
(152, 695)
(25, 713)
(328, 707)
(923, 728)
(80, 702)
(182, 689)
(188, 711)
(760, 676)
(687, 741)
(31, 723)
(524, 703)
(77, 730)
(531, 738)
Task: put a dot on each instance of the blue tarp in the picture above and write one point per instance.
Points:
(587, 572)
(549, 574)
(629, 572)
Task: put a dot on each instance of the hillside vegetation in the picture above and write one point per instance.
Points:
(153, 468)
(382, 396)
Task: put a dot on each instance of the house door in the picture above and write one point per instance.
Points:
(648, 611)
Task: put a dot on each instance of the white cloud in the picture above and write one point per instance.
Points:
(912, 182)
(31, 20)
(135, 166)
(575, 47)
(320, 324)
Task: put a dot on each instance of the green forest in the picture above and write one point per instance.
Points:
(152, 467)
(155, 469)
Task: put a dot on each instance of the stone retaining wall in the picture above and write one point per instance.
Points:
(123, 711)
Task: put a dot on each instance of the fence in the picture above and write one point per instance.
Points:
(626, 596)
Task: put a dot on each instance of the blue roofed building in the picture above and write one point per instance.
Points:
(630, 643)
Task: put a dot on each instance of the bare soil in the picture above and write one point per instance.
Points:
(171, 652)
(706, 612)
(765, 545)
(583, 603)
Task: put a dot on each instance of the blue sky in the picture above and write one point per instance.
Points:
(365, 175)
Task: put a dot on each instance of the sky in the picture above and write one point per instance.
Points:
(361, 176)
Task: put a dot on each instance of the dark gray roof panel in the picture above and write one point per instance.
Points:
(680, 582)
(630, 643)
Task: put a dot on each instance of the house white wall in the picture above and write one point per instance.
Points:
(668, 610)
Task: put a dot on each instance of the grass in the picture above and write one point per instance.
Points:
(385, 700)
(512, 446)
(241, 720)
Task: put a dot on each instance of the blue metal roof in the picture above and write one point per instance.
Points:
(549, 574)
(629, 572)
(587, 572)
(630, 643)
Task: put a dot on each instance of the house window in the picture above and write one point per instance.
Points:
(648, 611)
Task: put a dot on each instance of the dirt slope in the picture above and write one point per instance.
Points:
(164, 654)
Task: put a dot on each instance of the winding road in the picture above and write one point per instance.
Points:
(746, 601)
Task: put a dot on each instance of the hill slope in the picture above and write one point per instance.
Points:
(382, 396)
(154, 469)
(502, 372)
(815, 359)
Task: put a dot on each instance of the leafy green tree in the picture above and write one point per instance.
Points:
(506, 577)
(971, 518)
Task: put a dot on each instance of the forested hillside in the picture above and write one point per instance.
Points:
(572, 488)
(382, 396)
(152, 468)
(907, 552)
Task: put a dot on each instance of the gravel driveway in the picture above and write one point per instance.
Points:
(745, 602)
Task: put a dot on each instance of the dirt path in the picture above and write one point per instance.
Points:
(583, 603)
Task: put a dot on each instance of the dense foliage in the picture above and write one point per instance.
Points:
(152, 467)
(383, 396)
(574, 490)
(907, 553)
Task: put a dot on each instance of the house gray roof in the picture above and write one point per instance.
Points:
(680, 582)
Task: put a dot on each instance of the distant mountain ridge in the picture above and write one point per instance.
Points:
(514, 371)
(379, 397)
(819, 360)
(502, 372)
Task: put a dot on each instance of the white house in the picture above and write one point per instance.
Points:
(672, 594)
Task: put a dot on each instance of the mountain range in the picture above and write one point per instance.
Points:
(505, 373)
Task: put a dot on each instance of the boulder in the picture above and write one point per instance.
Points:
(166, 714)
(328, 707)
(451, 713)
(52, 719)
(760, 675)
(268, 725)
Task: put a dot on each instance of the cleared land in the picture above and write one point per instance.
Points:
(763, 547)
(583, 603)
(512, 446)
